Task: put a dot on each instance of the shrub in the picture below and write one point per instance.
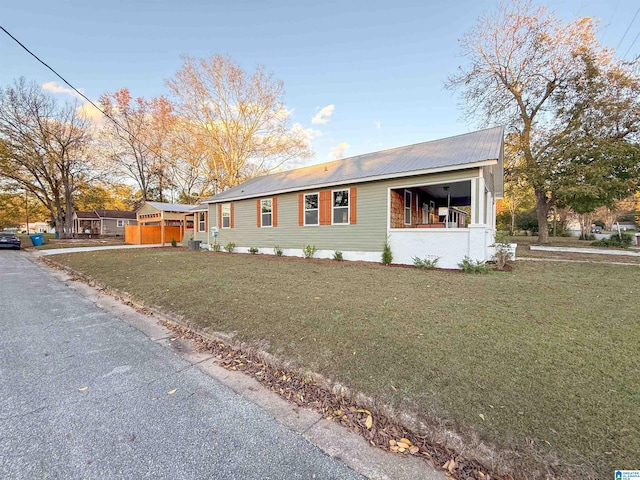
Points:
(277, 251)
(387, 256)
(229, 247)
(309, 251)
(173, 242)
(337, 255)
(253, 250)
(473, 266)
(427, 263)
(620, 241)
(216, 247)
(587, 236)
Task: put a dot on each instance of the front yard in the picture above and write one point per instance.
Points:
(542, 361)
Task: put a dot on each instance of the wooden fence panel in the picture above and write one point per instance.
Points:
(151, 234)
(131, 234)
(172, 232)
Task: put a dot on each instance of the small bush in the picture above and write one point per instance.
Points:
(587, 236)
(173, 242)
(473, 266)
(309, 251)
(253, 250)
(229, 247)
(337, 255)
(277, 251)
(216, 247)
(426, 263)
(619, 241)
(387, 256)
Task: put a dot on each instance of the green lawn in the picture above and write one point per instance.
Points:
(543, 360)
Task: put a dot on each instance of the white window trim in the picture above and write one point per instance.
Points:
(348, 207)
(404, 210)
(304, 208)
(261, 214)
(120, 223)
(204, 222)
(222, 215)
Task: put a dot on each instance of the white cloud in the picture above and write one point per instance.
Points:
(306, 133)
(338, 151)
(378, 125)
(323, 115)
(57, 88)
(89, 111)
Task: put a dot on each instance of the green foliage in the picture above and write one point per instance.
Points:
(277, 251)
(619, 241)
(473, 266)
(337, 255)
(387, 255)
(426, 263)
(173, 242)
(527, 221)
(253, 250)
(309, 251)
(229, 247)
(587, 236)
(216, 247)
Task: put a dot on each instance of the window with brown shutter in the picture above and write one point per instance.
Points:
(219, 216)
(275, 212)
(325, 207)
(231, 215)
(352, 206)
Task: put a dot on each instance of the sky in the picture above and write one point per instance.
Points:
(359, 75)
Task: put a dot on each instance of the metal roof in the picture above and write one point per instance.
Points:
(454, 152)
(170, 207)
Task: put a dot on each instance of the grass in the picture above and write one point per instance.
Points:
(542, 360)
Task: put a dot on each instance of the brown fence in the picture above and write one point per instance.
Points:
(150, 234)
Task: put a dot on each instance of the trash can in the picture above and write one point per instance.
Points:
(37, 239)
(638, 239)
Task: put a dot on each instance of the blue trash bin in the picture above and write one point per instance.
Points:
(37, 239)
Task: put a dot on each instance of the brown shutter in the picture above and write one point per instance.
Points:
(206, 221)
(258, 213)
(274, 212)
(325, 207)
(231, 214)
(301, 209)
(352, 206)
(219, 216)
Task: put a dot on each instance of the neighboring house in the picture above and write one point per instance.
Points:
(158, 222)
(37, 227)
(110, 223)
(197, 224)
(434, 198)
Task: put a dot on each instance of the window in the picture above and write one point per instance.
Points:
(311, 213)
(407, 207)
(226, 215)
(266, 209)
(340, 206)
(202, 227)
(119, 223)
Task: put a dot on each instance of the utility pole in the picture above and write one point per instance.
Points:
(26, 209)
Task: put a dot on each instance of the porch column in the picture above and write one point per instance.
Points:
(482, 201)
(162, 228)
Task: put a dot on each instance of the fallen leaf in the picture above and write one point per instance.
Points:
(171, 392)
(392, 442)
(406, 440)
(82, 389)
(452, 465)
(481, 416)
(413, 450)
(402, 445)
(368, 422)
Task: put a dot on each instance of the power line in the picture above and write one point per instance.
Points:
(632, 44)
(118, 124)
(627, 30)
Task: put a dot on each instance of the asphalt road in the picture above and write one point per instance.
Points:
(85, 395)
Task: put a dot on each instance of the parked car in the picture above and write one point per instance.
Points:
(596, 230)
(9, 240)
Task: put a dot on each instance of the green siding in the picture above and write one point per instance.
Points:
(367, 235)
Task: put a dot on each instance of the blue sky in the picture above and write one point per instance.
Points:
(375, 68)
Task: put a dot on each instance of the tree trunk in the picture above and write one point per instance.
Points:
(542, 212)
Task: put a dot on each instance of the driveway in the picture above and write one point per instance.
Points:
(85, 395)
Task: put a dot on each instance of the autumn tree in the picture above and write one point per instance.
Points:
(135, 138)
(237, 120)
(44, 149)
(527, 70)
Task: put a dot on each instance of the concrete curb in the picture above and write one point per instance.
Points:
(332, 438)
(594, 251)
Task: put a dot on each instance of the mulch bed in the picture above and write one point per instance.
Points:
(337, 406)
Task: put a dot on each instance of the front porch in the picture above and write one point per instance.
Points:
(446, 220)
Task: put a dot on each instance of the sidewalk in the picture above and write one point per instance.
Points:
(598, 251)
(58, 251)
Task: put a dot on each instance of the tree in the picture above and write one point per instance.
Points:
(237, 121)
(137, 140)
(527, 70)
(43, 149)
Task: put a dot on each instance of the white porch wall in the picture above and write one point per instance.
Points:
(450, 244)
